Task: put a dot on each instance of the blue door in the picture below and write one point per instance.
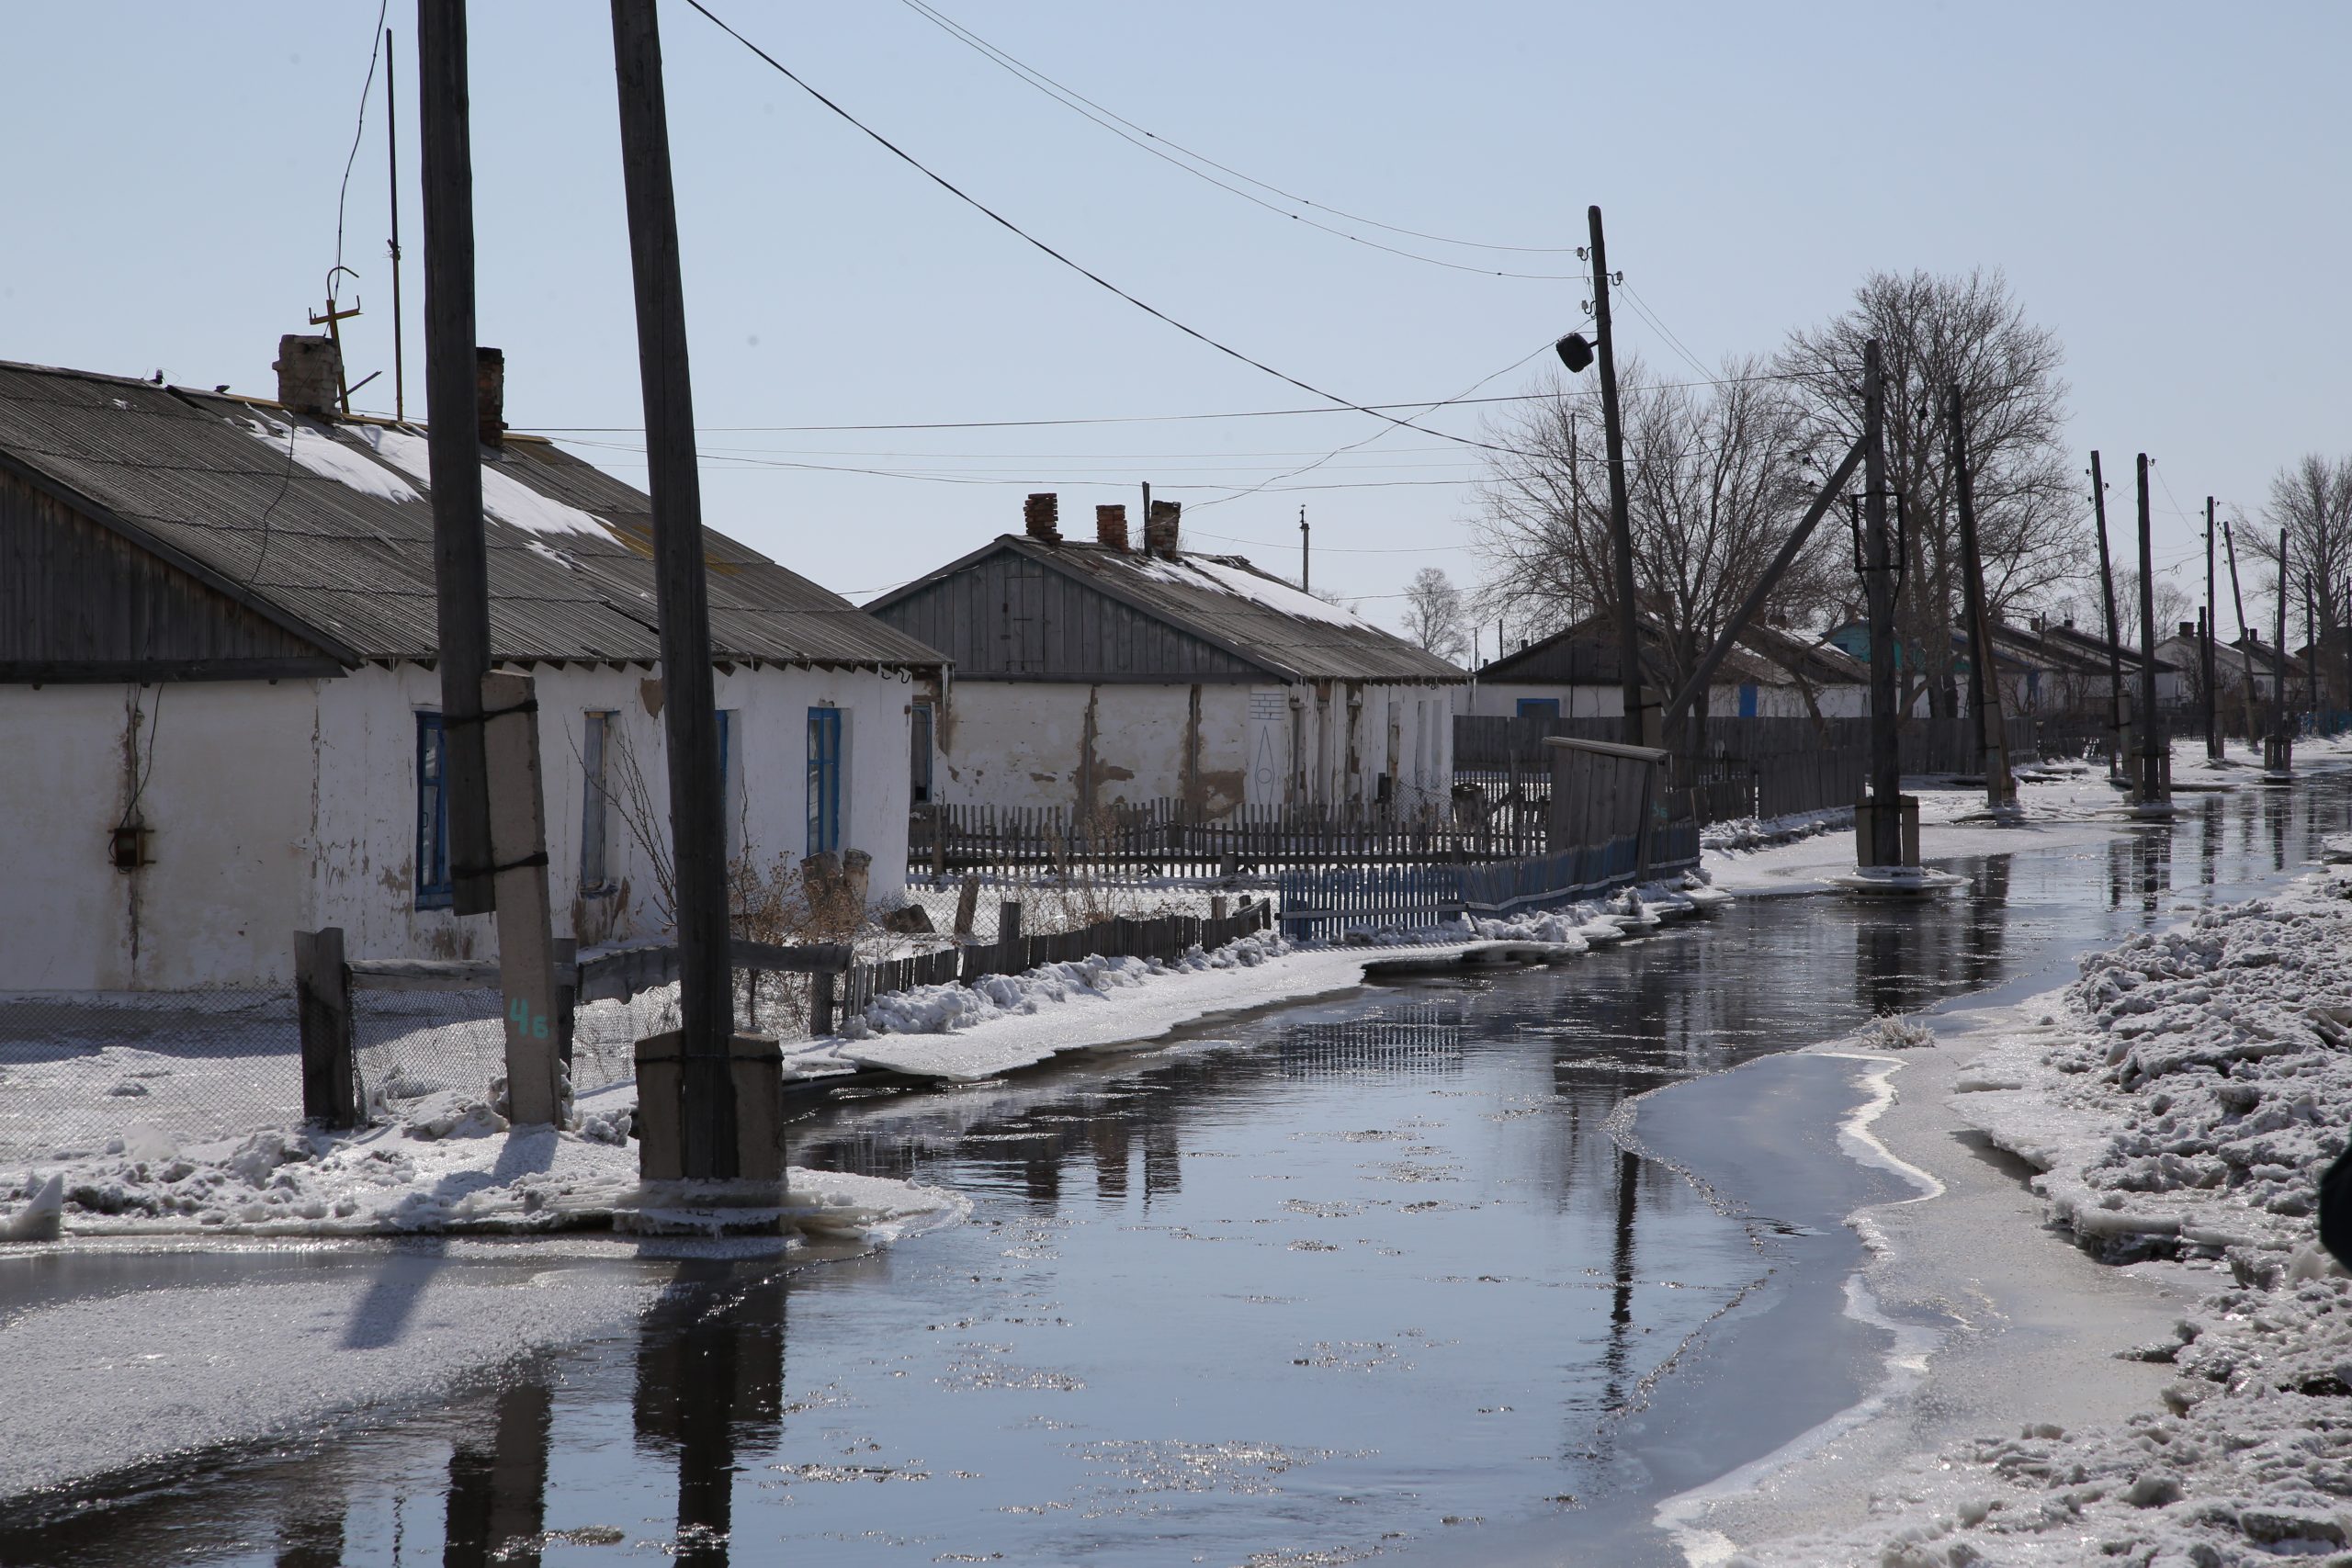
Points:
(824, 779)
(1747, 699)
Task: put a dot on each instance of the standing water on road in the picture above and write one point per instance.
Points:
(1367, 1276)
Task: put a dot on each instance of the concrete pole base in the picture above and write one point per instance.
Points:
(756, 1063)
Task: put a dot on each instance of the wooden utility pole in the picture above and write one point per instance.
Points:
(2278, 649)
(2148, 782)
(1303, 540)
(1885, 830)
(392, 149)
(460, 570)
(2114, 631)
(2205, 646)
(1621, 531)
(1985, 687)
(706, 1140)
(2246, 656)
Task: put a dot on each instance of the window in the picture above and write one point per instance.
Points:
(919, 754)
(434, 888)
(1539, 707)
(595, 806)
(731, 782)
(824, 779)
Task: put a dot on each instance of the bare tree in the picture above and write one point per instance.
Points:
(2311, 499)
(1935, 333)
(1714, 480)
(1434, 617)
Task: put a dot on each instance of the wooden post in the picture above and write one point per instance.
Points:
(2114, 631)
(967, 902)
(566, 952)
(2149, 780)
(460, 566)
(1885, 827)
(697, 820)
(1621, 534)
(2211, 624)
(1008, 936)
(518, 848)
(323, 1010)
(1984, 686)
(392, 156)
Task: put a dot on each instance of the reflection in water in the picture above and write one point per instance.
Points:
(710, 1386)
(498, 1491)
(1382, 1251)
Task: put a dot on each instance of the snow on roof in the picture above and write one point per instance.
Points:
(1230, 574)
(503, 496)
(323, 454)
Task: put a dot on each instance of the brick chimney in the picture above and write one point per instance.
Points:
(1041, 515)
(1160, 529)
(1111, 528)
(489, 395)
(309, 374)
(2189, 631)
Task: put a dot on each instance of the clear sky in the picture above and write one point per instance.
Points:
(2164, 185)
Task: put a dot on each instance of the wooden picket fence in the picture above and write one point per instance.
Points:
(1166, 838)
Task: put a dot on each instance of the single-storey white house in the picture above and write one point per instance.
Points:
(1089, 673)
(1769, 673)
(222, 719)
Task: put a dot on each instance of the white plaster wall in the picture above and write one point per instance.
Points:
(294, 805)
(1022, 744)
(229, 794)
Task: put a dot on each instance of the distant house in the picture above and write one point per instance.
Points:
(1092, 673)
(1769, 673)
(2043, 670)
(2247, 669)
(219, 700)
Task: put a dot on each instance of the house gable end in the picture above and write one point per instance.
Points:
(81, 599)
(1001, 613)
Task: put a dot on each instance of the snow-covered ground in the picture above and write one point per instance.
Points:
(2174, 1107)
(2064, 803)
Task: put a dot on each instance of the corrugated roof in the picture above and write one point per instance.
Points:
(1586, 654)
(1229, 601)
(207, 479)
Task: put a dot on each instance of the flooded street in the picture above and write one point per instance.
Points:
(1364, 1277)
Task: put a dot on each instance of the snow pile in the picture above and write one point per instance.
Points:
(2201, 1082)
(1748, 833)
(936, 1010)
(2180, 1100)
(446, 1164)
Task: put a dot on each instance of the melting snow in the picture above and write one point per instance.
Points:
(1221, 577)
(324, 455)
(505, 497)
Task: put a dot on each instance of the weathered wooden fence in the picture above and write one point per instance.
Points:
(1162, 937)
(1929, 745)
(1165, 838)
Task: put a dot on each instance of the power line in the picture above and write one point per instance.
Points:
(357, 131)
(1327, 457)
(1554, 395)
(1137, 136)
(1094, 277)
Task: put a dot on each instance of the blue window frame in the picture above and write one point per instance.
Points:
(434, 888)
(824, 779)
(1539, 707)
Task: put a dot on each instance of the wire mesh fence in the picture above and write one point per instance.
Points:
(79, 1070)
